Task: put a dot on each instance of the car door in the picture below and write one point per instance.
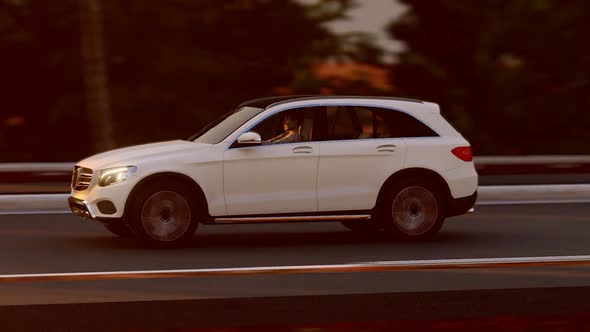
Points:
(272, 178)
(357, 155)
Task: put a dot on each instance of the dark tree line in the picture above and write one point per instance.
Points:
(173, 66)
(513, 75)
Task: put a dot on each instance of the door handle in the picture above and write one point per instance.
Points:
(386, 148)
(302, 149)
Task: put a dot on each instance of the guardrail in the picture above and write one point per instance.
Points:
(54, 177)
(488, 195)
(484, 165)
(495, 165)
(15, 172)
(35, 172)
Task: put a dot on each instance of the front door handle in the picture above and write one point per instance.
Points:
(302, 149)
(386, 148)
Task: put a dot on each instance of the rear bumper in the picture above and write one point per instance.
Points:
(458, 206)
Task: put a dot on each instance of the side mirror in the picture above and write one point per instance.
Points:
(250, 138)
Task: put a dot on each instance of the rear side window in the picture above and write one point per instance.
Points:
(356, 122)
(399, 124)
(343, 124)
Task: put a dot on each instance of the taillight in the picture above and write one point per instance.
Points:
(463, 153)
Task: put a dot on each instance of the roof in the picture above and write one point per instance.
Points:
(268, 101)
(264, 102)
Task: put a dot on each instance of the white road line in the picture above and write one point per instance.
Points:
(526, 202)
(299, 269)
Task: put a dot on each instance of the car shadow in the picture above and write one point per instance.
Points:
(276, 240)
(313, 238)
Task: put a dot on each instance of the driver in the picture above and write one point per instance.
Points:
(291, 126)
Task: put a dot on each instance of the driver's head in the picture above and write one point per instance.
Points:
(292, 121)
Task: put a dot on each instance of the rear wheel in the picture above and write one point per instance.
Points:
(413, 209)
(119, 229)
(165, 215)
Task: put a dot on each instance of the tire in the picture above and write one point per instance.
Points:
(119, 229)
(412, 209)
(165, 214)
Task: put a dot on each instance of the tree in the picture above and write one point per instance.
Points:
(191, 61)
(512, 75)
(173, 66)
(41, 117)
(95, 76)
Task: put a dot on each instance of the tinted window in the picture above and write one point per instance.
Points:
(290, 126)
(343, 123)
(354, 122)
(390, 123)
(270, 127)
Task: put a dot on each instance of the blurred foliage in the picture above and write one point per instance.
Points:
(513, 76)
(41, 104)
(173, 66)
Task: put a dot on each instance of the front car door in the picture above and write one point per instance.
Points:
(358, 153)
(277, 177)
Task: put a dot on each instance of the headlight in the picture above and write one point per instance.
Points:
(115, 175)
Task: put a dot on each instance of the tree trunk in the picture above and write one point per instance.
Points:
(95, 76)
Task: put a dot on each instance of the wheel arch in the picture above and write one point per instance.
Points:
(423, 173)
(161, 176)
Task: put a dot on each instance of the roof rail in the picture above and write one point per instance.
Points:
(266, 102)
(314, 97)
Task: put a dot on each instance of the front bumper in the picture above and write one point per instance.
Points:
(81, 208)
(98, 202)
(85, 210)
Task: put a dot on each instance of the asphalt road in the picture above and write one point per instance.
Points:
(65, 243)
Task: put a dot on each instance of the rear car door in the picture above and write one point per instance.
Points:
(358, 153)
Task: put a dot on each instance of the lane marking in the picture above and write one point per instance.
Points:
(409, 265)
(526, 202)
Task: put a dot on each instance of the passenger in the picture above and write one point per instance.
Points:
(291, 126)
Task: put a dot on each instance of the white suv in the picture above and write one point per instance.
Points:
(386, 165)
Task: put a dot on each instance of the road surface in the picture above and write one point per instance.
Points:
(58, 243)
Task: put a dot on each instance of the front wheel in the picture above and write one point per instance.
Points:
(413, 209)
(165, 215)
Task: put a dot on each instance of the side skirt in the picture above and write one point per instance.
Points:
(290, 218)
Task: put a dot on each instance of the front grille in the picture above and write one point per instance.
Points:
(81, 178)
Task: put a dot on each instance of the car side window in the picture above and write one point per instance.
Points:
(290, 126)
(376, 122)
(343, 123)
(361, 122)
(396, 124)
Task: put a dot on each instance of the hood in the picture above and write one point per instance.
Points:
(134, 155)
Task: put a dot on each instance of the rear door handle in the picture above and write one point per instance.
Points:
(302, 149)
(386, 148)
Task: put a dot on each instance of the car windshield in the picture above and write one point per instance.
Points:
(219, 129)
